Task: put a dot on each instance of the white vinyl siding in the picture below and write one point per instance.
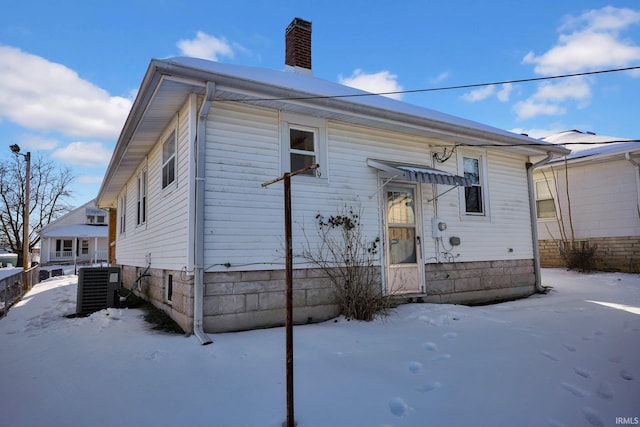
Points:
(244, 222)
(604, 200)
(165, 239)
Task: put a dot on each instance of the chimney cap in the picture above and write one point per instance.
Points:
(299, 23)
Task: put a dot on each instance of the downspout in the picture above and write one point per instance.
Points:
(534, 222)
(198, 291)
(627, 156)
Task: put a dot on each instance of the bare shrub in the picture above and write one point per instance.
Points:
(581, 258)
(348, 259)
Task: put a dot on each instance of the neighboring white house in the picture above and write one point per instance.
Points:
(79, 236)
(449, 198)
(603, 178)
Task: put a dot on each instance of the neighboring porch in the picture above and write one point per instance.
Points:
(82, 244)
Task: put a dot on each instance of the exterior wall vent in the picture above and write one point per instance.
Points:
(97, 289)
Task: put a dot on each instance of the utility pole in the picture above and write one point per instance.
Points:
(15, 149)
(290, 422)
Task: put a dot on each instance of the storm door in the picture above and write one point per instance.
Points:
(402, 249)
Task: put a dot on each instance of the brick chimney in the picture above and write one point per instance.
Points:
(298, 46)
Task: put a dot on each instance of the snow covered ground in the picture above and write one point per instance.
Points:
(569, 358)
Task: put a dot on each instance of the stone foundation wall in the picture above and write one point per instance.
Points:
(612, 253)
(236, 301)
(479, 282)
(550, 254)
(243, 300)
(153, 288)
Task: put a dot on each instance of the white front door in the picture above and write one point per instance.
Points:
(402, 250)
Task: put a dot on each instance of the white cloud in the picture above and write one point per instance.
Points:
(380, 82)
(608, 18)
(589, 41)
(206, 46)
(89, 179)
(479, 94)
(489, 91)
(587, 50)
(440, 77)
(549, 98)
(505, 92)
(41, 95)
(37, 143)
(531, 108)
(88, 154)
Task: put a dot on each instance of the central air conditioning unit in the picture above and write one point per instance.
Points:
(97, 289)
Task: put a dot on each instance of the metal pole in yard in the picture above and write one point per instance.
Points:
(290, 422)
(288, 278)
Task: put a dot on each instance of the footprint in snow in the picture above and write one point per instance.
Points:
(430, 386)
(444, 356)
(430, 346)
(582, 372)
(627, 375)
(605, 391)
(450, 335)
(549, 355)
(615, 359)
(398, 407)
(415, 367)
(576, 391)
(592, 416)
(569, 347)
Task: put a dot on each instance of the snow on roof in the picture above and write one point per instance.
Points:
(78, 230)
(317, 87)
(588, 144)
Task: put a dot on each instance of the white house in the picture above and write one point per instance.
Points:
(449, 198)
(603, 179)
(79, 236)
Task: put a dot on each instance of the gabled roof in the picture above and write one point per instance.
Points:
(587, 146)
(169, 82)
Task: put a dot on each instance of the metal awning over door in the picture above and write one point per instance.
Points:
(418, 173)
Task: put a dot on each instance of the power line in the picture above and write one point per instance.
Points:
(467, 86)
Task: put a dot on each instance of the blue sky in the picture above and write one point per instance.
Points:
(69, 71)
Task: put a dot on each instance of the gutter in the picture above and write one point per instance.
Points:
(198, 292)
(534, 222)
(627, 156)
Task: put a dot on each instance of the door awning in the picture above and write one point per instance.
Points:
(418, 173)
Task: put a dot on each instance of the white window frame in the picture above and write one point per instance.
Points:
(314, 125)
(84, 247)
(481, 157)
(123, 213)
(539, 198)
(170, 185)
(142, 191)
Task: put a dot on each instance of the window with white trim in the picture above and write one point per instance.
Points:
(545, 205)
(303, 144)
(85, 247)
(474, 200)
(122, 209)
(141, 201)
(473, 195)
(169, 160)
